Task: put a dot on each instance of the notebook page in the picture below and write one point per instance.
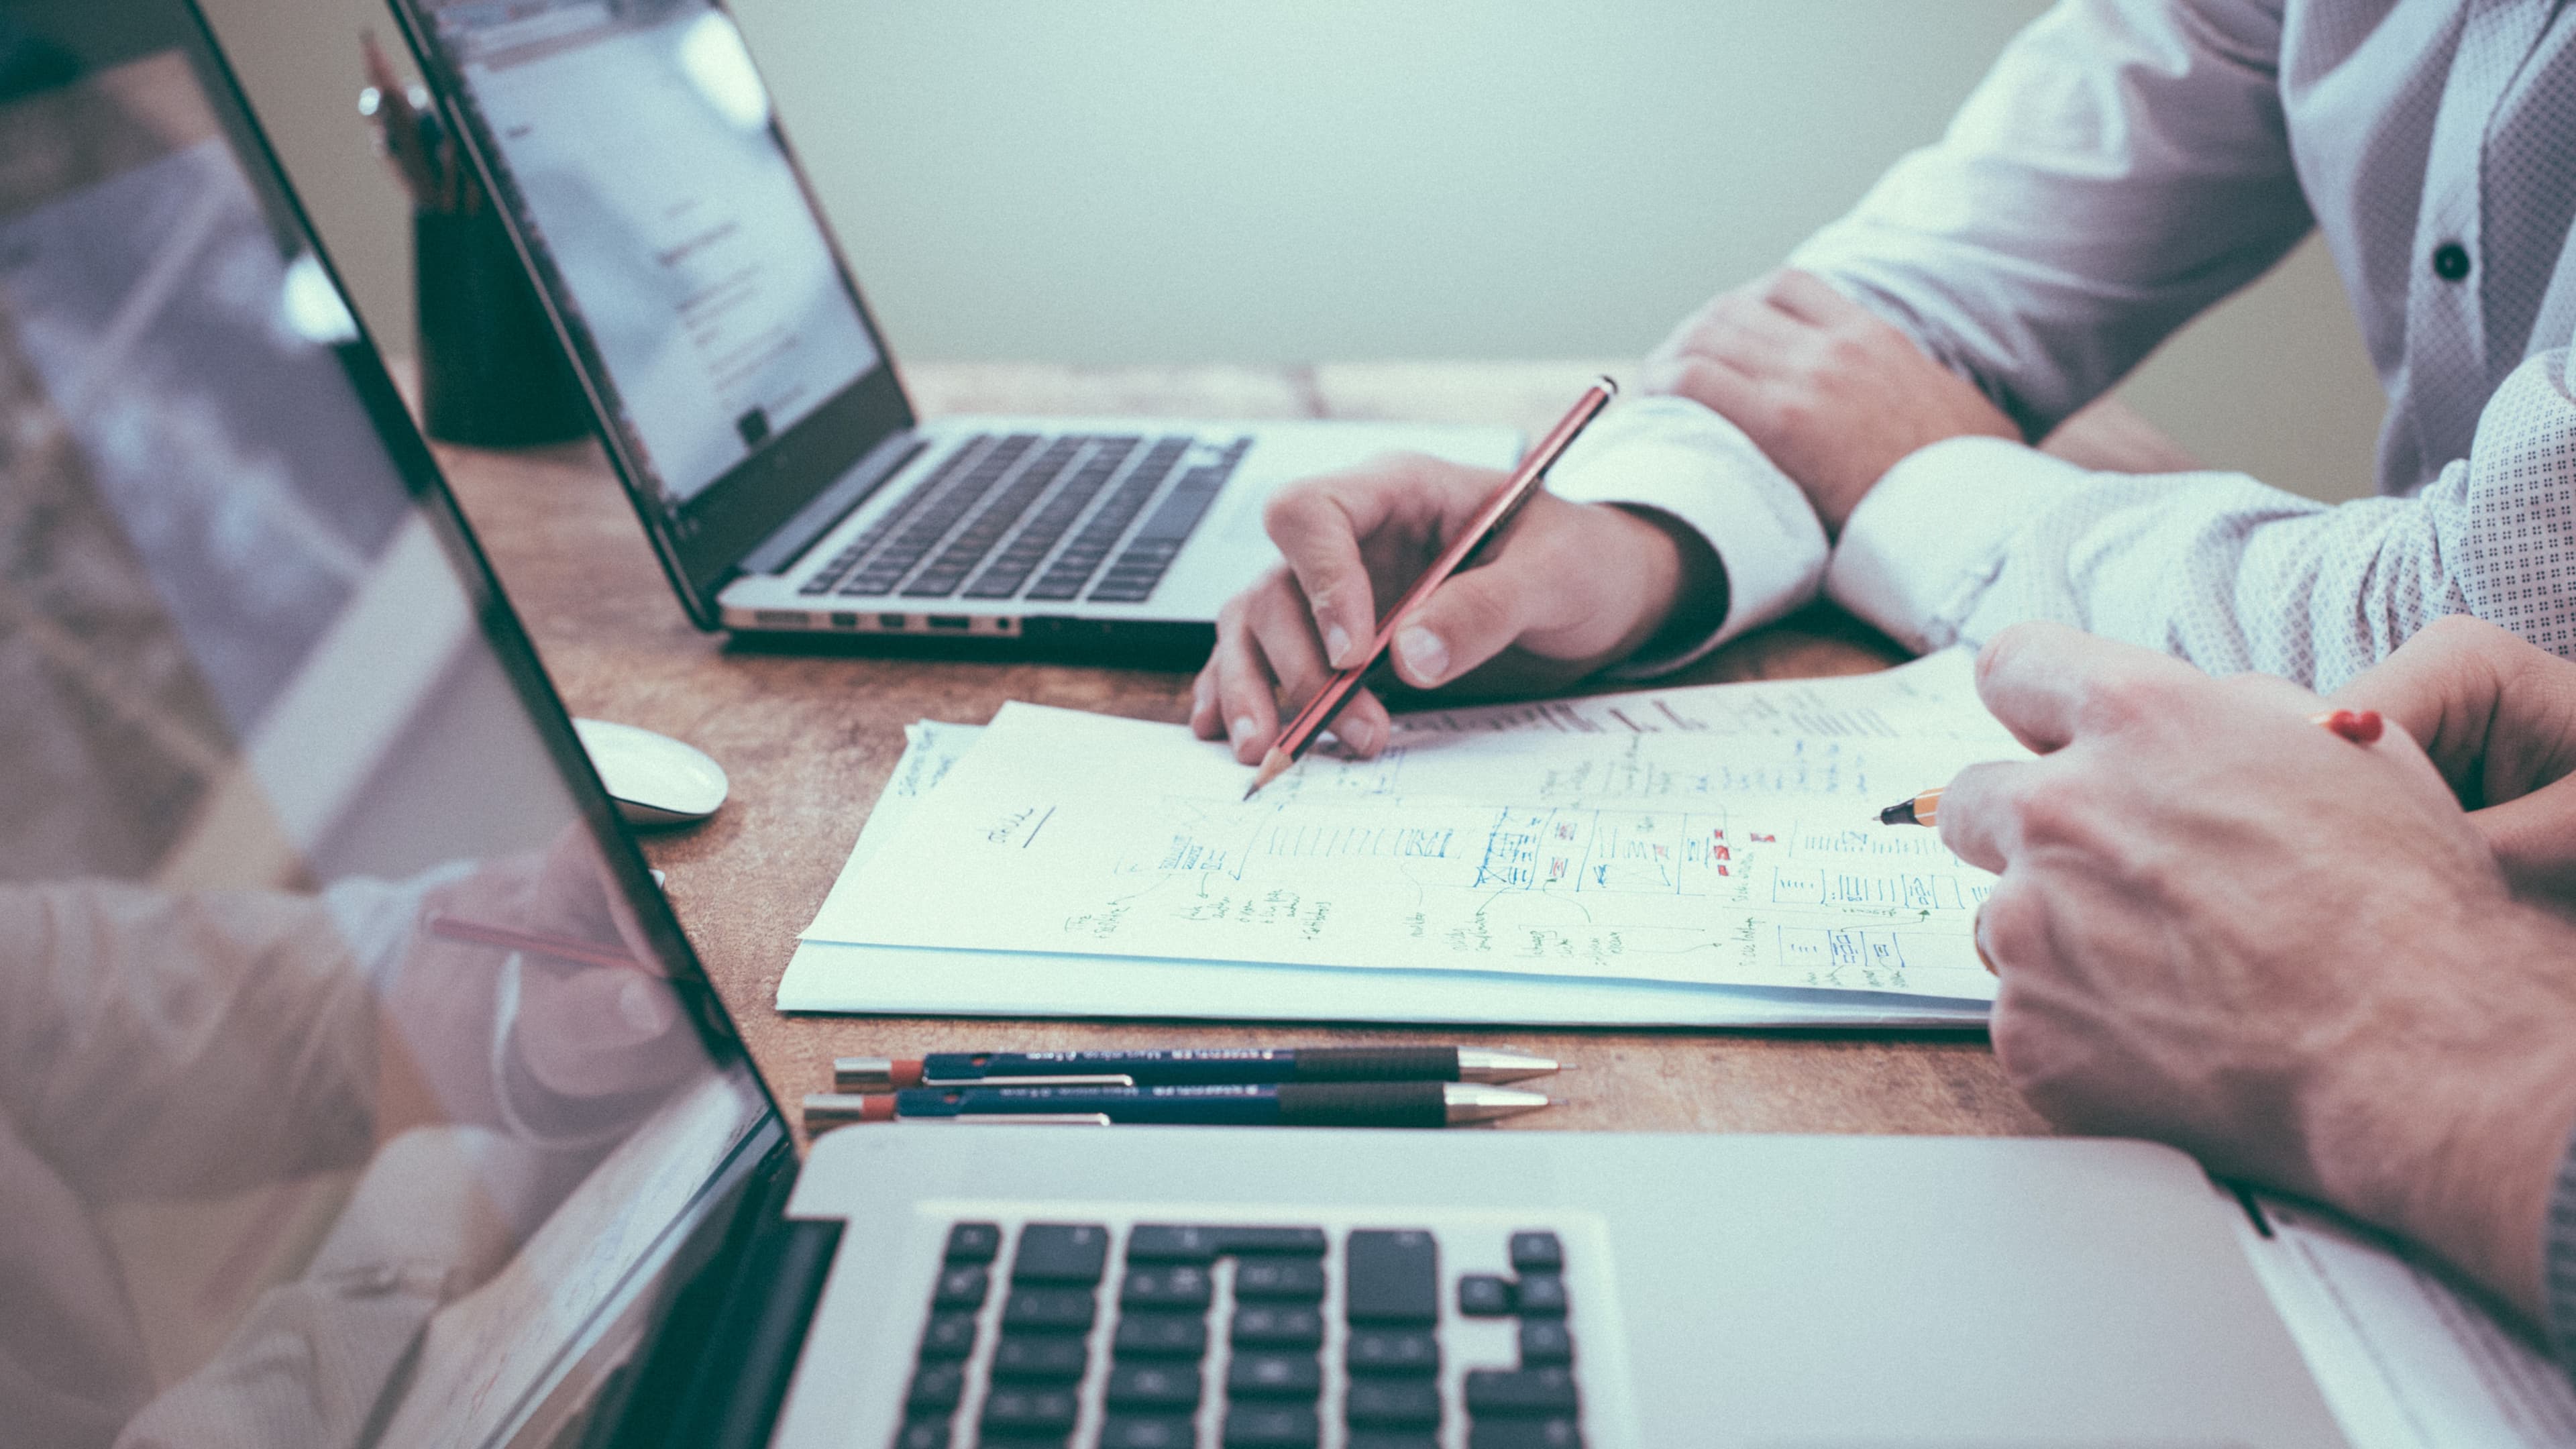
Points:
(1735, 848)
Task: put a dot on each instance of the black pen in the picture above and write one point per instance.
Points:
(1187, 1066)
(1289, 1104)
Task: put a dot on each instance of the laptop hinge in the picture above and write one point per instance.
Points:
(716, 1370)
(789, 541)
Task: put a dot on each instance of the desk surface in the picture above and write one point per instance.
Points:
(810, 738)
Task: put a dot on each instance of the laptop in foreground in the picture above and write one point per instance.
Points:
(357, 1086)
(753, 410)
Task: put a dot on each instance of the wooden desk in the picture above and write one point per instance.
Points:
(810, 739)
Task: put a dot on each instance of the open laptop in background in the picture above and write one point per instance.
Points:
(750, 406)
(358, 1088)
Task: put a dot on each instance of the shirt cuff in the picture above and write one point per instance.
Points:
(1678, 458)
(1930, 536)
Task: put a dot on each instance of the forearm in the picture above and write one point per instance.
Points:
(141, 1033)
(2121, 168)
(1967, 537)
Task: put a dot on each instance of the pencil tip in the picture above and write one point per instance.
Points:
(1273, 765)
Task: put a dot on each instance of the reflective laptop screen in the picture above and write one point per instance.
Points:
(346, 1092)
(648, 175)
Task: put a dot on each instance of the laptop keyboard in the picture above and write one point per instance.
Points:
(990, 517)
(1231, 1337)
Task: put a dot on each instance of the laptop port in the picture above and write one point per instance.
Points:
(960, 623)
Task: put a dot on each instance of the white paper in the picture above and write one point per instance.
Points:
(1733, 846)
(2405, 1360)
(826, 976)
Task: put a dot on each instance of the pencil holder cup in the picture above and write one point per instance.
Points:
(492, 373)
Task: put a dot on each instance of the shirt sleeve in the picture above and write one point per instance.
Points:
(154, 1044)
(2219, 569)
(2125, 164)
(1670, 455)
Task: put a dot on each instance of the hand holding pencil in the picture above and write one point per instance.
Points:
(1573, 588)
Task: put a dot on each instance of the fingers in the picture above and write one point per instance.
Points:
(1323, 526)
(1476, 616)
(2048, 683)
(1809, 298)
(1981, 813)
(2496, 713)
(1244, 697)
(1266, 664)
(590, 1034)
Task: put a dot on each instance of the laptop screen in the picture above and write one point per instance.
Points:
(354, 1082)
(632, 143)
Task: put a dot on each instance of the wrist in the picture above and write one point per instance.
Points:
(1685, 584)
(2453, 1132)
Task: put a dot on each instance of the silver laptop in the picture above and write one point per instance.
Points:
(751, 407)
(358, 1088)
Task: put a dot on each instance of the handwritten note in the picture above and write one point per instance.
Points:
(1714, 836)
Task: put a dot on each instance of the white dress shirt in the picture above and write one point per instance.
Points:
(2126, 164)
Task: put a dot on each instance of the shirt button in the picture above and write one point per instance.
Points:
(2450, 261)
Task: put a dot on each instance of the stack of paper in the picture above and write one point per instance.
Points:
(1703, 856)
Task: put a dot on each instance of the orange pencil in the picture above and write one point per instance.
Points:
(2361, 726)
(1487, 525)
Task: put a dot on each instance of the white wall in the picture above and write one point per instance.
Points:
(1178, 180)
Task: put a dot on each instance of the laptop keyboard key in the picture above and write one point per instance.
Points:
(1482, 1295)
(1286, 1242)
(1266, 1374)
(1180, 1286)
(1160, 1335)
(1393, 1404)
(960, 1288)
(1409, 1353)
(1523, 1434)
(1393, 1439)
(1295, 1280)
(1130, 1431)
(936, 1388)
(1060, 1253)
(1540, 1295)
(1028, 1412)
(1271, 1426)
(1391, 1277)
(1273, 1325)
(950, 1335)
(1526, 1392)
(1153, 1385)
(1047, 1310)
(923, 1434)
(1545, 1341)
(1041, 1357)
(973, 1243)
(1168, 1243)
(1537, 1253)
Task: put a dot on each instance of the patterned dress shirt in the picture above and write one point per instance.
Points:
(2126, 164)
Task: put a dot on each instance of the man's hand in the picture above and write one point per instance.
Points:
(1570, 588)
(2221, 926)
(2498, 717)
(1835, 396)
(581, 1033)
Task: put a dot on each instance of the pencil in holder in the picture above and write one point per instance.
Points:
(492, 372)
